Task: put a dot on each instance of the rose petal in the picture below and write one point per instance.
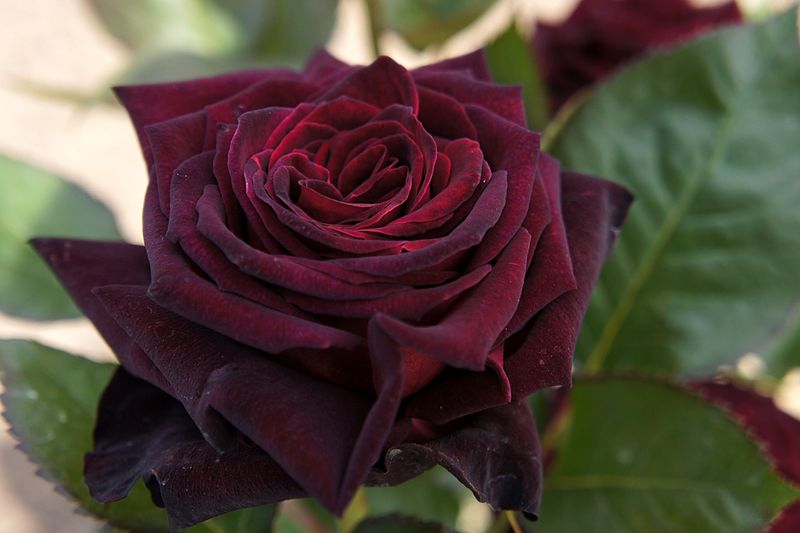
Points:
(503, 100)
(467, 234)
(495, 453)
(444, 116)
(314, 445)
(172, 142)
(186, 189)
(464, 338)
(474, 62)
(550, 274)
(594, 210)
(540, 356)
(381, 84)
(322, 66)
(266, 93)
(81, 266)
(178, 288)
(142, 432)
(149, 104)
(506, 146)
(465, 175)
(411, 304)
(279, 270)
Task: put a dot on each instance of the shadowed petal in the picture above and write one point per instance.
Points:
(494, 453)
(143, 433)
(322, 434)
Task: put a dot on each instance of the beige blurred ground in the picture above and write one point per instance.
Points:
(58, 43)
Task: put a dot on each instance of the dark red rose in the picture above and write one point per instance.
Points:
(601, 35)
(350, 274)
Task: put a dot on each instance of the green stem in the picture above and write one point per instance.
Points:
(375, 25)
(355, 512)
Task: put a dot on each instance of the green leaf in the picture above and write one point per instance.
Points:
(706, 136)
(156, 25)
(34, 203)
(434, 495)
(50, 401)
(647, 456)
(399, 524)
(511, 61)
(429, 22)
(281, 29)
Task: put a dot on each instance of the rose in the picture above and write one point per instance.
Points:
(349, 275)
(601, 35)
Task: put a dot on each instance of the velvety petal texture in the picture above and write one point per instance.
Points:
(349, 274)
(602, 35)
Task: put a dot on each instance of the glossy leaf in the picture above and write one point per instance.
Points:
(646, 456)
(35, 203)
(511, 61)
(429, 22)
(50, 402)
(707, 138)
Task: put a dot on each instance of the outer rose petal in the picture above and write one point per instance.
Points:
(324, 435)
(382, 84)
(495, 454)
(142, 432)
(540, 355)
(594, 211)
(474, 63)
(81, 266)
(148, 104)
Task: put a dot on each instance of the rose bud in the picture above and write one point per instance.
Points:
(602, 35)
(349, 275)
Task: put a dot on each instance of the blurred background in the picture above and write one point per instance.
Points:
(57, 59)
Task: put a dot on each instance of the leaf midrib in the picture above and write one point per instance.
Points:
(599, 354)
